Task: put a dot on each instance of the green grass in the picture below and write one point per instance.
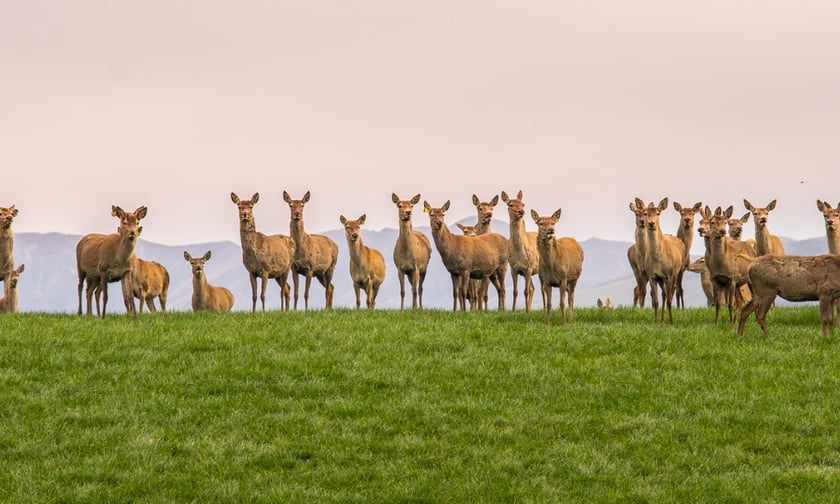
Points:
(428, 406)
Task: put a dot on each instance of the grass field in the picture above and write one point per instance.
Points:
(425, 406)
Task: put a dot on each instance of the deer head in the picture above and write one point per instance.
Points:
(687, 214)
(467, 230)
(246, 208)
(545, 225)
(197, 264)
(652, 214)
(760, 214)
(352, 227)
(6, 216)
(831, 215)
(405, 207)
(485, 209)
(436, 215)
(129, 227)
(296, 206)
(736, 226)
(516, 208)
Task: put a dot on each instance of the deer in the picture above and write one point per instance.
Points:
(149, 279)
(7, 240)
(664, 259)
(207, 297)
(265, 256)
(727, 260)
(736, 226)
(765, 243)
(794, 278)
(465, 257)
(476, 300)
(685, 233)
(636, 253)
(484, 220)
(523, 255)
(315, 255)
(832, 234)
(367, 265)
(101, 259)
(561, 263)
(9, 301)
(412, 252)
(605, 304)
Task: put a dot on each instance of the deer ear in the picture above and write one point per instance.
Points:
(745, 217)
(342, 219)
(495, 200)
(771, 205)
(505, 197)
(475, 200)
(140, 213)
(426, 207)
(519, 195)
(306, 197)
(748, 205)
(234, 198)
(187, 256)
(728, 212)
(206, 256)
(556, 215)
(14, 210)
(820, 205)
(20, 269)
(677, 206)
(362, 219)
(255, 197)
(117, 211)
(445, 206)
(415, 199)
(286, 197)
(697, 206)
(535, 216)
(460, 226)
(639, 202)
(663, 204)
(395, 198)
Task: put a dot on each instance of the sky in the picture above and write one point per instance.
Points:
(583, 105)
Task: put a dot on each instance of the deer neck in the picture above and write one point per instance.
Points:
(686, 235)
(518, 235)
(641, 242)
(482, 228)
(126, 249)
(443, 240)
(298, 234)
(762, 238)
(247, 231)
(200, 286)
(833, 236)
(354, 249)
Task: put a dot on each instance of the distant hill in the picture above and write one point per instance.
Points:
(50, 281)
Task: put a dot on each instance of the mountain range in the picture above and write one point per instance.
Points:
(49, 283)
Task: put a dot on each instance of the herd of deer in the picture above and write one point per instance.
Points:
(745, 275)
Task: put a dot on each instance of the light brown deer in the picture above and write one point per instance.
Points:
(663, 261)
(832, 234)
(765, 243)
(477, 301)
(7, 240)
(736, 226)
(727, 260)
(149, 280)
(315, 255)
(561, 263)
(264, 256)
(484, 220)
(367, 265)
(685, 233)
(636, 253)
(9, 301)
(466, 257)
(207, 297)
(101, 259)
(523, 255)
(795, 278)
(411, 252)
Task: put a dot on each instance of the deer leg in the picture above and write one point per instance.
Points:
(515, 279)
(402, 290)
(307, 284)
(745, 313)
(295, 281)
(422, 277)
(546, 290)
(128, 296)
(654, 300)
(827, 315)
(263, 288)
(103, 286)
(571, 294)
(356, 289)
(81, 282)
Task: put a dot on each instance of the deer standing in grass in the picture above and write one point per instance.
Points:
(7, 241)
(367, 265)
(9, 301)
(207, 297)
(484, 220)
(411, 252)
(664, 259)
(561, 263)
(727, 260)
(476, 300)
(149, 280)
(101, 259)
(832, 234)
(523, 255)
(636, 253)
(795, 278)
(264, 256)
(685, 233)
(465, 257)
(765, 243)
(315, 255)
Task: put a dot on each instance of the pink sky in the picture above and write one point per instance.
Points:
(582, 104)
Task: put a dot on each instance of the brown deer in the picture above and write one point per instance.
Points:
(476, 300)
(484, 220)
(663, 261)
(367, 265)
(315, 255)
(264, 256)
(795, 278)
(207, 297)
(523, 255)
(9, 301)
(149, 280)
(765, 243)
(7, 240)
(561, 263)
(636, 253)
(465, 257)
(101, 259)
(685, 233)
(727, 260)
(736, 226)
(832, 234)
(411, 252)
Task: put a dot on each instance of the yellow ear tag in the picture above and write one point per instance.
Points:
(425, 210)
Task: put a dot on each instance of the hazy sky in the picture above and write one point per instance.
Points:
(583, 105)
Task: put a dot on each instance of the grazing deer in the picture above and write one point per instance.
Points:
(207, 297)
(523, 255)
(795, 278)
(7, 240)
(9, 301)
(367, 265)
(765, 243)
(315, 255)
(685, 233)
(727, 260)
(265, 257)
(149, 280)
(101, 259)
(663, 261)
(636, 253)
(465, 257)
(736, 226)
(561, 263)
(411, 252)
